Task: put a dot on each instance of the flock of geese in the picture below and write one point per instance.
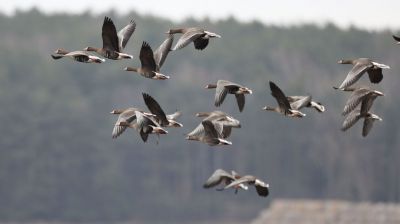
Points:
(216, 126)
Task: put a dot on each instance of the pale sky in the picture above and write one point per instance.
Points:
(368, 14)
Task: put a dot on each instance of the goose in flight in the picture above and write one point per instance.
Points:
(145, 125)
(283, 103)
(149, 68)
(359, 94)
(360, 66)
(221, 176)
(80, 56)
(223, 87)
(209, 133)
(113, 42)
(126, 116)
(363, 112)
(199, 36)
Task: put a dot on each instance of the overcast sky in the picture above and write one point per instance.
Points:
(377, 14)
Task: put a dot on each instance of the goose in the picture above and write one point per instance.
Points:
(261, 187)
(149, 68)
(199, 36)
(80, 56)
(160, 117)
(221, 176)
(113, 42)
(360, 66)
(145, 124)
(396, 38)
(224, 119)
(363, 112)
(359, 94)
(209, 134)
(125, 115)
(223, 87)
(298, 102)
(283, 103)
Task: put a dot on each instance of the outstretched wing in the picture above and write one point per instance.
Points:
(280, 97)
(191, 35)
(160, 54)
(351, 119)
(355, 74)
(109, 35)
(147, 58)
(155, 109)
(356, 97)
(217, 177)
(125, 33)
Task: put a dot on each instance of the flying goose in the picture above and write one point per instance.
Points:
(149, 68)
(160, 117)
(209, 134)
(363, 112)
(223, 87)
(80, 56)
(360, 66)
(198, 36)
(261, 187)
(222, 118)
(113, 42)
(298, 102)
(359, 94)
(221, 176)
(283, 103)
(145, 124)
(125, 115)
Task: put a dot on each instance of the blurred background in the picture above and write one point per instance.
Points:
(58, 162)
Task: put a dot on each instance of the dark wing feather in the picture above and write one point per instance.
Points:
(396, 38)
(109, 35)
(200, 43)
(144, 135)
(262, 191)
(375, 75)
(226, 131)
(240, 99)
(355, 74)
(367, 126)
(126, 33)
(210, 129)
(155, 109)
(280, 97)
(147, 58)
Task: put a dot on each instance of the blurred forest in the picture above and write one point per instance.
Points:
(58, 161)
